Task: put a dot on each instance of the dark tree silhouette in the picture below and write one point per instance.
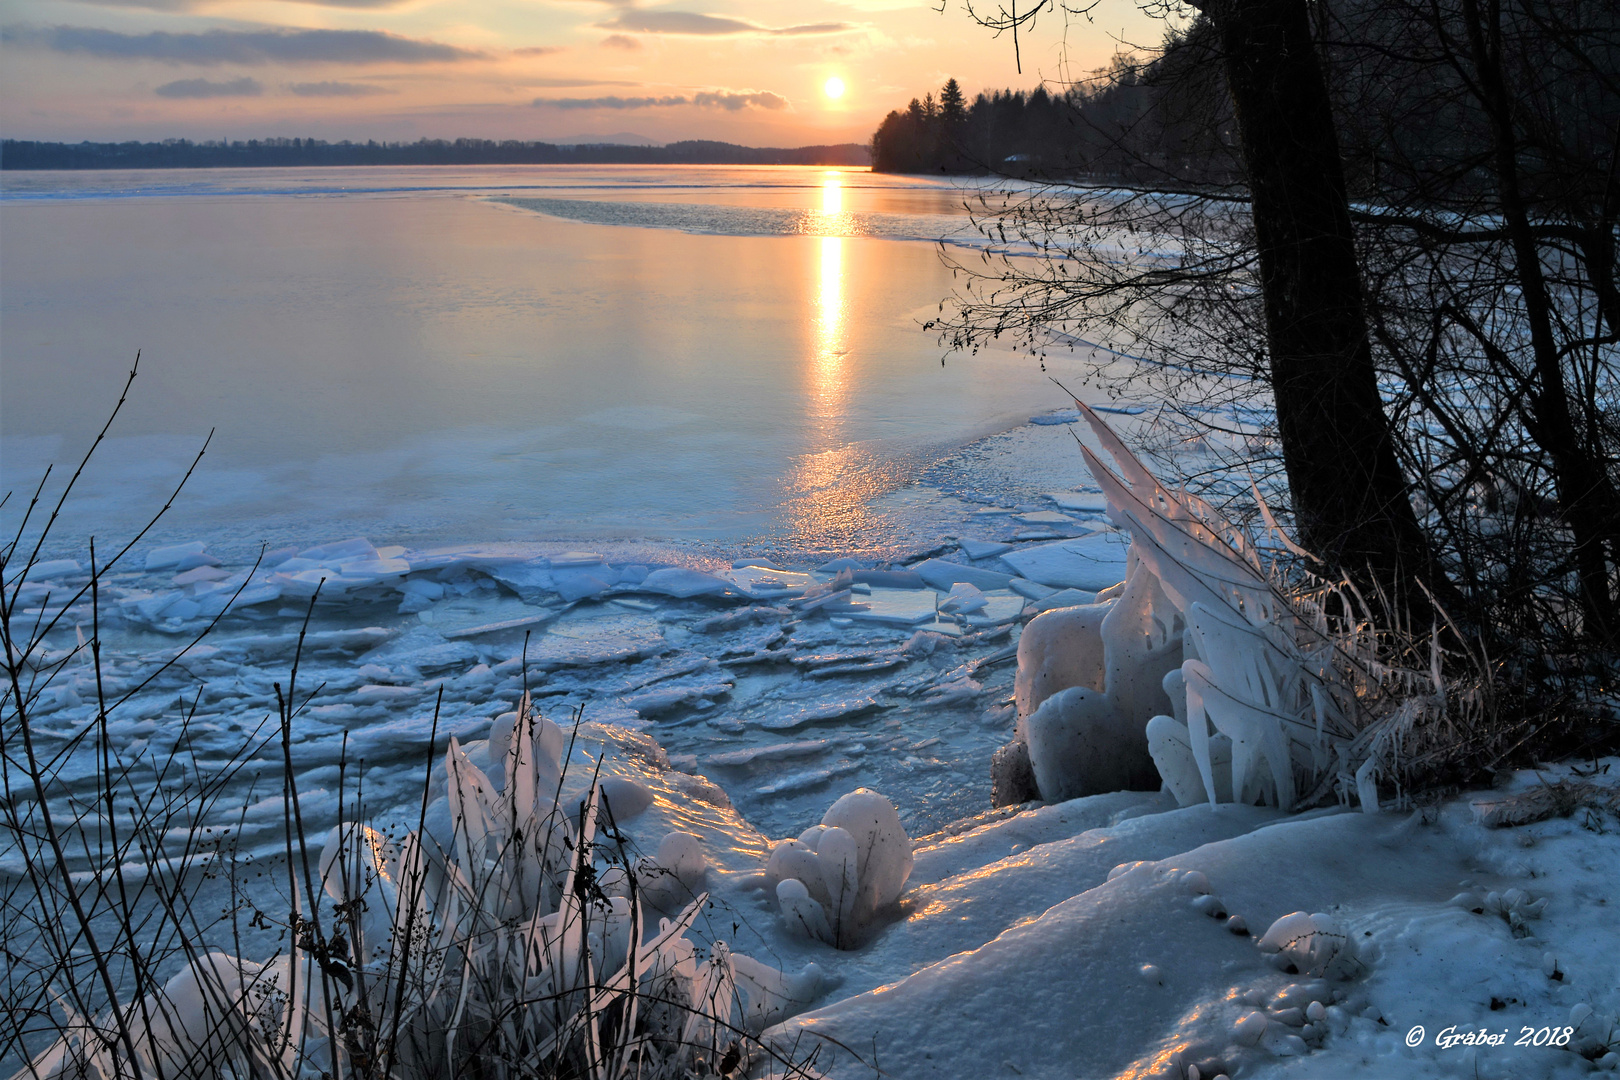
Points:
(952, 105)
(1350, 499)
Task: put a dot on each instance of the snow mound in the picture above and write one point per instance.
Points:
(835, 878)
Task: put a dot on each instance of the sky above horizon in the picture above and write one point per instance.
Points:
(747, 71)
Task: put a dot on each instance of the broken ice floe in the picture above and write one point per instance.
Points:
(983, 549)
(472, 593)
(1092, 562)
(709, 657)
(1084, 503)
(820, 714)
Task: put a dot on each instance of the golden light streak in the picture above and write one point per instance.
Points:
(828, 483)
(828, 366)
(832, 193)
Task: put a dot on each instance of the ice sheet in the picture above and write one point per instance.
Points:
(1092, 562)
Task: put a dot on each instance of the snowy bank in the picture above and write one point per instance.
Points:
(1132, 977)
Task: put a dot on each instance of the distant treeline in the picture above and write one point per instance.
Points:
(1165, 118)
(1160, 120)
(185, 154)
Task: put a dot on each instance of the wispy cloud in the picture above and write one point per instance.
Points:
(537, 50)
(678, 22)
(270, 45)
(621, 41)
(730, 100)
(613, 102)
(193, 5)
(816, 28)
(352, 3)
(337, 89)
(202, 88)
(691, 22)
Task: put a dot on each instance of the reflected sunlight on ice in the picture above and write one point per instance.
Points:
(828, 362)
(831, 485)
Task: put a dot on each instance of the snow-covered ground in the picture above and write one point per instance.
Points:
(1119, 936)
(1101, 958)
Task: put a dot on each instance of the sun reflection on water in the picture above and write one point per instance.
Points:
(832, 219)
(833, 481)
(832, 193)
(830, 313)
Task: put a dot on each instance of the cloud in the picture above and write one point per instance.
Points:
(730, 100)
(537, 50)
(192, 5)
(690, 22)
(621, 41)
(816, 28)
(270, 45)
(678, 22)
(613, 102)
(336, 89)
(202, 88)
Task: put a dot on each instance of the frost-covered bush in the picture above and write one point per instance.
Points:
(558, 958)
(837, 876)
(524, 949)
(1514, 906)
(1229, 682)
(673, 875)
(1058, 649)
(218, 1016)
(1082, 741)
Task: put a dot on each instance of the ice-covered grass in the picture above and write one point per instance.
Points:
(1224, 675)
(519, 943)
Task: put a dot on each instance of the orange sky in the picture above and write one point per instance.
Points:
(747, 71)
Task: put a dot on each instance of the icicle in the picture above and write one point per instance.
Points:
(1367, 786)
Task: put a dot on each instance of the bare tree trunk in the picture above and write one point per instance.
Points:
(1350, 498)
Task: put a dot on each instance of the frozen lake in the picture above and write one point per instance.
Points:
(724, 357)
(482, 371)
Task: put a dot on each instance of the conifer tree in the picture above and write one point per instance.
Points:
(952, 103)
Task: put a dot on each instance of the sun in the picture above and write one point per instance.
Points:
(834, 87)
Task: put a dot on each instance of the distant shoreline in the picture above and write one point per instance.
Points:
(19, 154)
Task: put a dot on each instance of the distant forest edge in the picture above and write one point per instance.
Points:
(1159, 118)
(270, 153)
(1106, 129)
